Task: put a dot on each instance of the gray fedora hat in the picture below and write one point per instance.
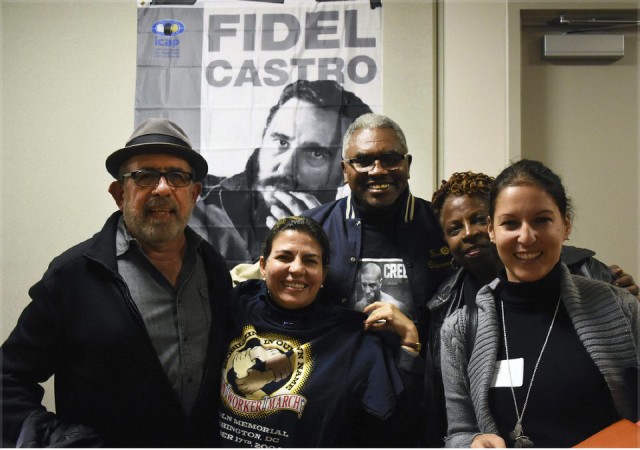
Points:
(158, 136)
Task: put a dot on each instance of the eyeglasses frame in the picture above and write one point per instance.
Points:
(364, 170)
(161, 174)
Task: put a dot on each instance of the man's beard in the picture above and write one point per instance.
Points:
(153, 231)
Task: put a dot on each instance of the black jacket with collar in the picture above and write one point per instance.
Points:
(83, 327)
(423, 249)
(420, 241)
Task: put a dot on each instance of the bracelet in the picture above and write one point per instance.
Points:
(417, 346)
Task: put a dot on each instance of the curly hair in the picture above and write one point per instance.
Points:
(459, 184)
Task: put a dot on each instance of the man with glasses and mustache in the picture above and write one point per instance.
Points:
(382, 222)
(296, 168)
(131, 321)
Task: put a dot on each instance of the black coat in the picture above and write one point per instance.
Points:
(83, 327)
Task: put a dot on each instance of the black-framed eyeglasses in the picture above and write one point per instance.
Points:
(148, 177)
(388, 161)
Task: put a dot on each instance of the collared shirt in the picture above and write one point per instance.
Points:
(177, 319)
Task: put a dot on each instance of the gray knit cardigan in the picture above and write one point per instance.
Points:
(604, 316)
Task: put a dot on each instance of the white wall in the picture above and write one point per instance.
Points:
(474, 109)
(582, 118)
(409, 84)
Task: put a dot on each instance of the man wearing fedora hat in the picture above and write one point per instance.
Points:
(131, 321)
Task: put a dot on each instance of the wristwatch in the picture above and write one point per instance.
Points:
(417, 346)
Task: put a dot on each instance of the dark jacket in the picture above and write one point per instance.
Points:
(83, 327)
(424, 252)
(421, 245)
(450, 297)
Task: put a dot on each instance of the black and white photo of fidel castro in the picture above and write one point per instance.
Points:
(297, 167)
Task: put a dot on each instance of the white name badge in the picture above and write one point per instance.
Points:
(501, 376)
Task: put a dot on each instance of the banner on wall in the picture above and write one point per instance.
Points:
(264, 90)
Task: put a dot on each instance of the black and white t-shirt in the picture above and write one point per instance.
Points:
(381, 274)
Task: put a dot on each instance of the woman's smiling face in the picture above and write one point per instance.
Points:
(528, 230)
(464, 221)
(293, 270)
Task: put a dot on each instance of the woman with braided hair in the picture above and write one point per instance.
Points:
(462, 206)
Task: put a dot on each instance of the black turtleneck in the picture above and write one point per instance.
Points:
(388, 215)
(569, 399)
(379, 237)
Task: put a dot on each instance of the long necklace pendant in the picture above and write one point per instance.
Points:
(523, 442)
(517, 431)
(520, 440)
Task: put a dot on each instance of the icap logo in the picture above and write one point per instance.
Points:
(168, 27)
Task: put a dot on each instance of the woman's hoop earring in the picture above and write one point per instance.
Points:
(454, 264)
